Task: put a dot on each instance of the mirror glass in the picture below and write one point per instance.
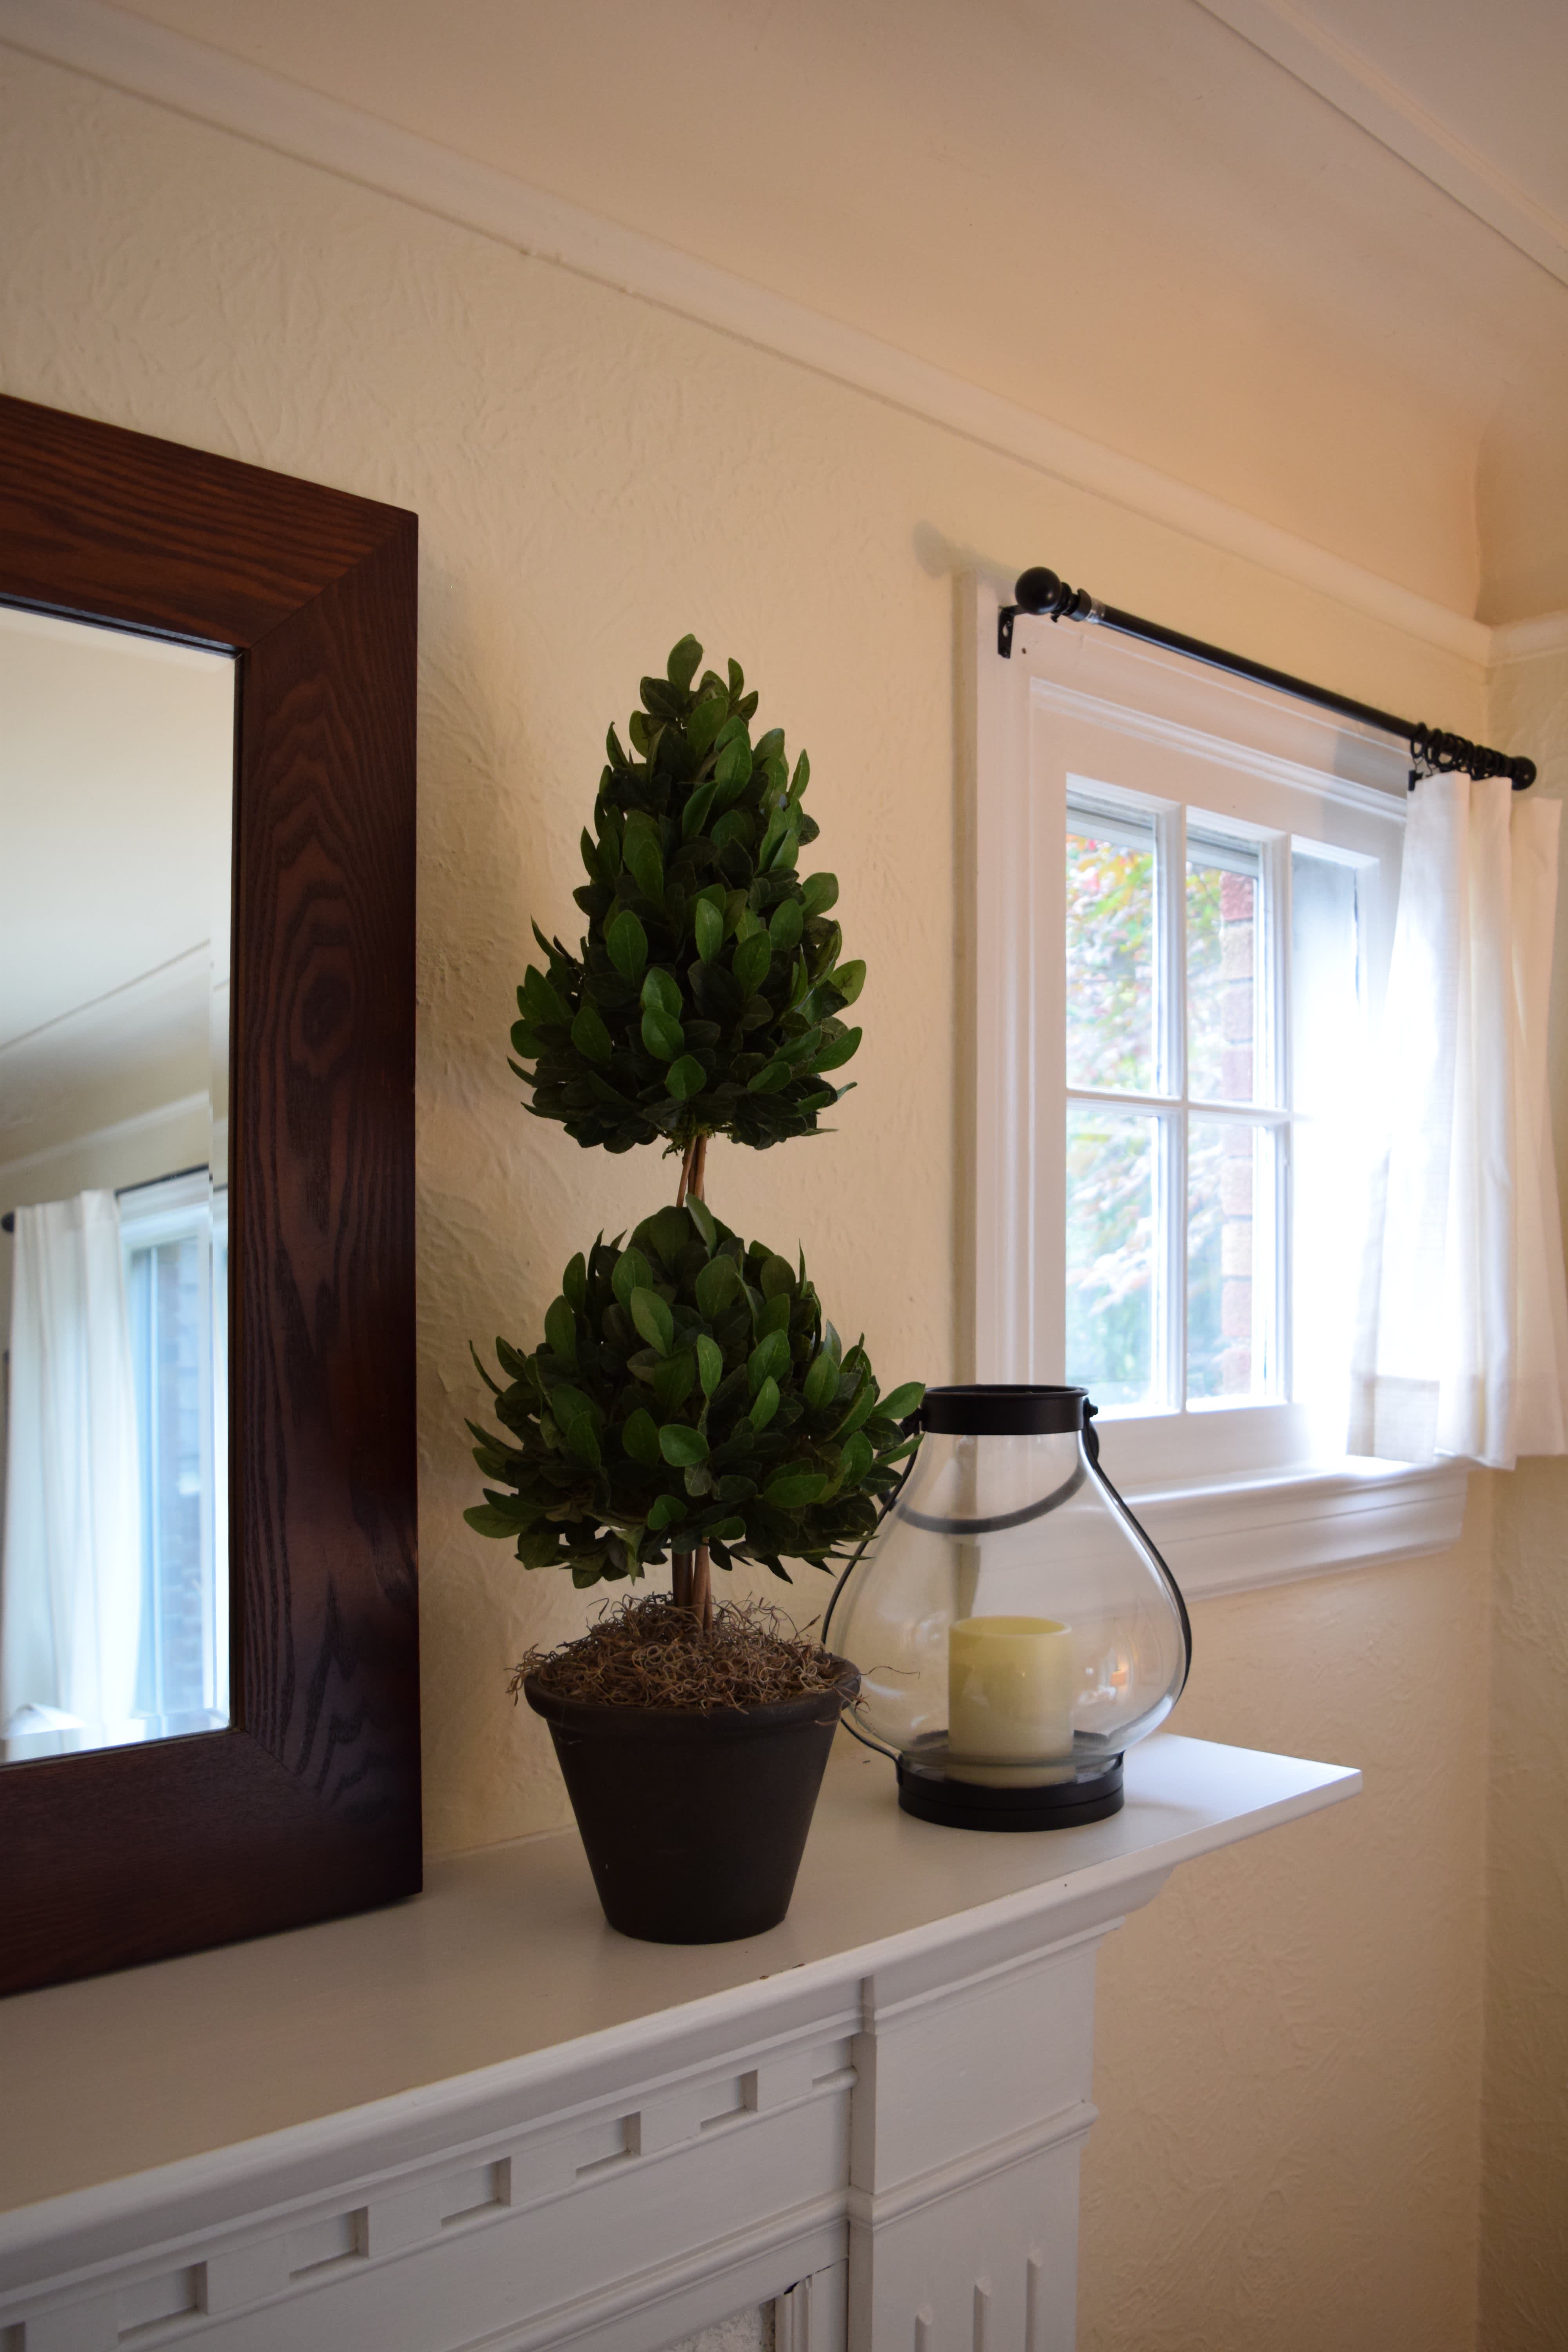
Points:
(116, 824)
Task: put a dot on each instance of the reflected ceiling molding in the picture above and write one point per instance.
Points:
(142, 1122)
(212, 88)
(170, 978)
(1517, 641)
(1311, 54)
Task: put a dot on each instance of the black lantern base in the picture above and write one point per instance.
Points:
(962, 1805)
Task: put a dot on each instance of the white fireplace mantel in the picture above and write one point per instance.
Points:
(483, 2119)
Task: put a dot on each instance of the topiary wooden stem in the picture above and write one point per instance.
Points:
(691, 1577)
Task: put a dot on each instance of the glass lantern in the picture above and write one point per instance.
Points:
(1014, 1628)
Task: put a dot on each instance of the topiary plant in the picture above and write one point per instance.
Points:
(688, 1400)
(706, 994)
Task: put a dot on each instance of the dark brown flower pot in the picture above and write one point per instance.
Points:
(694, 1824)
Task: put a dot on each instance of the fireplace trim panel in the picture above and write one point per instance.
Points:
(885, 2136)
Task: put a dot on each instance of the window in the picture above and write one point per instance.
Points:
(173, 1234)
(1185, 889)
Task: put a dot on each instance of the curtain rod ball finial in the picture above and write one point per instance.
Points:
(1037, 589)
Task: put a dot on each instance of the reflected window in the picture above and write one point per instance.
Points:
(173, 1235)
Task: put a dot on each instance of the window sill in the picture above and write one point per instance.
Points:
(1237, 1535)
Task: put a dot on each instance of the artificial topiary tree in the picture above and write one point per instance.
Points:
(706, 995)
(688, 1399)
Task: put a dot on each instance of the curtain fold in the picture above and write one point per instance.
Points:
(1461, 1342)
(70, 1582)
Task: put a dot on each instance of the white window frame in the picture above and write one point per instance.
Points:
(172, 1208)
(1244, 1495)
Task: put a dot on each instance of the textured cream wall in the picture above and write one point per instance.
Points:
(1292, 2034)
(1524, 2241)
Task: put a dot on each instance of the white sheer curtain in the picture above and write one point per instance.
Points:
(1461, 1345)
(71, 1590)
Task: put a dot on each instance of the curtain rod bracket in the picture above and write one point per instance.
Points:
(1042, 595)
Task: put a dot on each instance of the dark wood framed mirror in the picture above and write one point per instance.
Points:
(307, 1804)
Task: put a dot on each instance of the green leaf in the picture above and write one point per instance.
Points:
(694, 816)
(785, 925)
(665, 1038)
(540, 1001)
(775, 1314)
(902, 1402)
(685, 1079)
(701, 1217)
(819, 892)
(777, 1277)
(632, 1272)
(795, 1489)
(560, 1329)
(639, 1435)
(485, 1520)
(862, 1408)
(575, 1283)
(702, 727)
(732, 768)
(682, 667)
(575, 1417)
(680, 1445)
(710, 1363)
(768, 1359)
(821, 1381)
(764, 1404)
(666, 1509)
(673, 1380)
(770, 1079)
(850, 980)
(644, 854)
(855, 1462)
(751, 960)
(628, 944)
(653, 1320)
(716, 1285)
(661, 993)
(838, 1050)
(709, 925)
(590, 1036)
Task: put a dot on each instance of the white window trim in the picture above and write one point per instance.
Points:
(1266, 1524)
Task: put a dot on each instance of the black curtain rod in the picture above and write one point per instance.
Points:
(142, 1184)
(1045, 597)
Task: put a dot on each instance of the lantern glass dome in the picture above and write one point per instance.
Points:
(1014, 1628)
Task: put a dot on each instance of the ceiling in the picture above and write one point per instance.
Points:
(1307, 255)
(116, 763)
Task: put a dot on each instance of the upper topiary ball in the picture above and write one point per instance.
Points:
(706, 994)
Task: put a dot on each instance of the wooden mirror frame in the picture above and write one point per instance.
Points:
(307, 1805)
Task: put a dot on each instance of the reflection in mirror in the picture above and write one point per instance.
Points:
(116, 791)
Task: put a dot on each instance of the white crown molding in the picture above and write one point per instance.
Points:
(1357, 87)
(1517, 641)
(185, 74)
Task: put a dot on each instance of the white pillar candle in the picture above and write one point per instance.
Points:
(1009, 1693)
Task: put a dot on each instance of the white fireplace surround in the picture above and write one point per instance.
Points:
(483, 2119)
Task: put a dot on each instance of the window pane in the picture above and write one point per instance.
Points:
(1224, 900)
(168, 1311)
(1111, 1254)
(1230, 1283)
(1329, 1085)
(1111, 953)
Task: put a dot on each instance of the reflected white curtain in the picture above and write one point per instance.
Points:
(70, 1586)
(1461, 1345)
